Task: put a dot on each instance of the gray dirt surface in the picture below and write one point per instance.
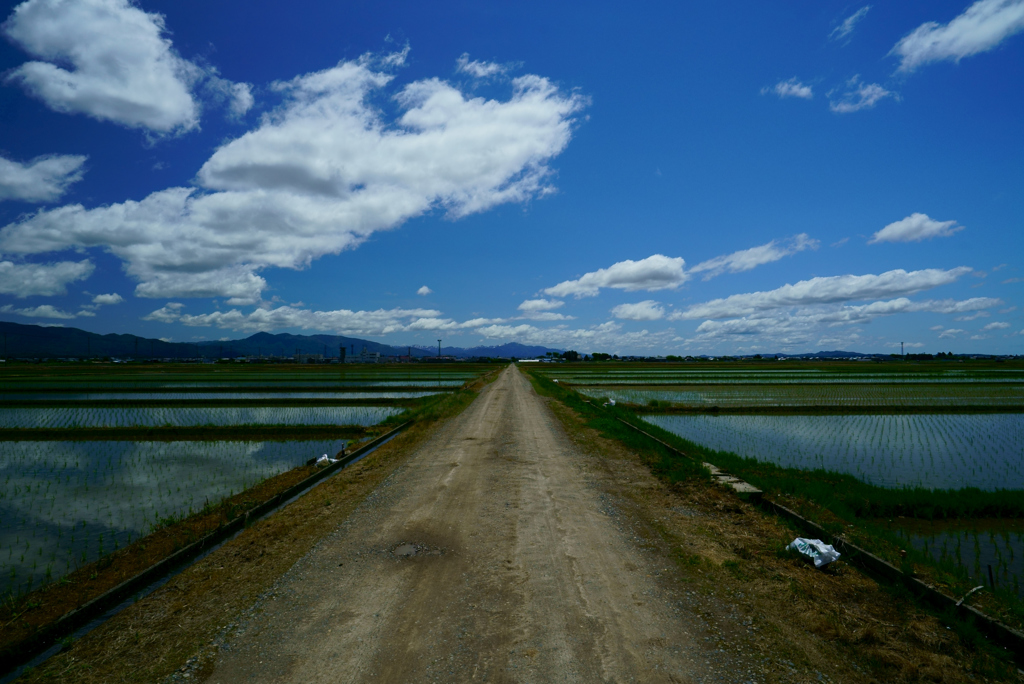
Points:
(493, 554)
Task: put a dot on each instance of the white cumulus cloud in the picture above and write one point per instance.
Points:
(43, 179)
(532, 305)
(915, 228)
(318, 176)
(747, 259)
(123, 69)
(648, 310)
(424, 291)
(951, 332)
(981, 27)
(996, 325)
(47, 280)
(790, 88)
(106, 299)
(656, 272)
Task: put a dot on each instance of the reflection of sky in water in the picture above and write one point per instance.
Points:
(86, 385)
(75, 417)
(819, 395)
(975, 551)
(59, 500)
(754, 380)
(204, 396)
(935, 451)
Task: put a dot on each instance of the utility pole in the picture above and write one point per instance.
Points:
(439, 350)
(901, 349)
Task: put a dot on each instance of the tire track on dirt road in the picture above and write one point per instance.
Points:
(489, 556)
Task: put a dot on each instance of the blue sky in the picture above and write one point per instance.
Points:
(666, 179)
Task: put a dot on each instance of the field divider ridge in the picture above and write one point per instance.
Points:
(19, 653)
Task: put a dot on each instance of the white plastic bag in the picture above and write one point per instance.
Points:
(821, 553)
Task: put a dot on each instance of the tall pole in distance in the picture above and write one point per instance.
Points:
(439, 350)
(901, 350)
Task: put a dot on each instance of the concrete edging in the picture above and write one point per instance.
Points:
(21, 652)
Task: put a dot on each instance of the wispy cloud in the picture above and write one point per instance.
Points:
(824, 290)
(747, 259)
(43, 311)
(790, 88)
(340, 321)
(478, 69)
(981, 27)
(857, 96)
(849, 24)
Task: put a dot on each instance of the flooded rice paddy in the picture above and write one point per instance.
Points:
(65, 504)
(65, 418)
(936, 451)
(850, 395)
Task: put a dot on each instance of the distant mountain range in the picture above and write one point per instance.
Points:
(36, 341)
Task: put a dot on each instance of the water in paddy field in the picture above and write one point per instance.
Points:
(766, 376)
(973, 545)
(84, 417)
(939, 451)
(851, 395)
(65, 504)
(129, 397)
(325, 385)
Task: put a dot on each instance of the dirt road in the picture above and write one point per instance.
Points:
(493, 554)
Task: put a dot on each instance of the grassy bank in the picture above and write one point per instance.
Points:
(662, 462)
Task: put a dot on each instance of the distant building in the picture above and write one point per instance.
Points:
(309, 358)
(364, 357)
